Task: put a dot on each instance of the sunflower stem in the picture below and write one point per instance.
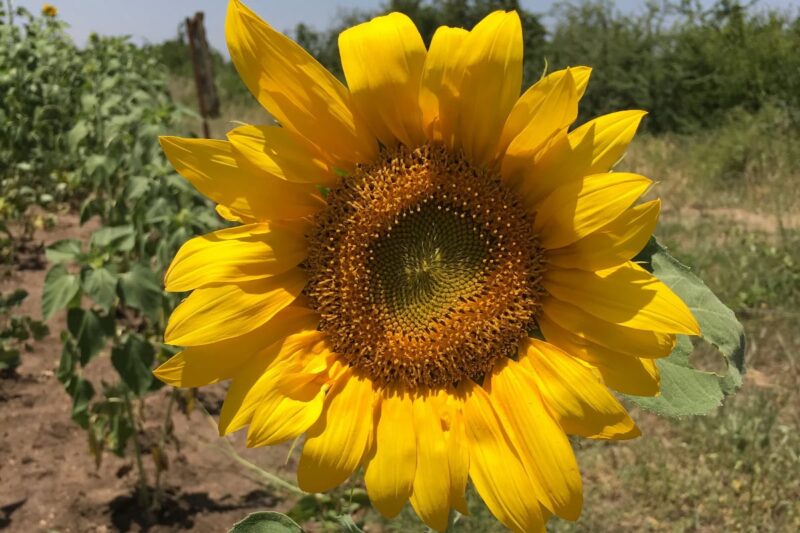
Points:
(230, 451)
(162, 444)
(144, 491)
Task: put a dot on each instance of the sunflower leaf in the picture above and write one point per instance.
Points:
(266, 522)
(686, 390)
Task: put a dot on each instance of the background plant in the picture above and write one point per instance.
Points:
(17, 332)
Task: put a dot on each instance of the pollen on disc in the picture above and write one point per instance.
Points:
(425, 270)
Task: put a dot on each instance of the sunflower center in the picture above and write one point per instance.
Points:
(424, 269)
(423, 265)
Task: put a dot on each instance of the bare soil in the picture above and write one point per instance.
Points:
(48, 478)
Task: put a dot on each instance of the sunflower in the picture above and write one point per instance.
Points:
(49, 10)
(431, 277)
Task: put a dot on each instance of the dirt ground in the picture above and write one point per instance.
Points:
(48, 478)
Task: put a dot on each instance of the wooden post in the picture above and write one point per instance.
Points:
(207, 96)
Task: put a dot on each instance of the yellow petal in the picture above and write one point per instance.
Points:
(609, 137)
(197, 366)
(495, 468)
(441, 85)
(557, 111)
(282, 154)
(390, 470)
(222, 174)
(233, 255)
(540, 442)
(382, 60)
(590, 149)
(583, 206)
(263, 373)
(457, 450)
(627, 295)
(621, 372)
(298, 91)
(614, 243)
(492, 64)
(217, 313)
(574, 395)
(527, 109)
(337, 442)
(431, 495)
(634, 342)
(232, 216)
(279, 417)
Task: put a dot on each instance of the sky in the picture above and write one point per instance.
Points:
(153, 21)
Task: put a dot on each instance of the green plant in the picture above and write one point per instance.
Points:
(16, 331)
(101, 153)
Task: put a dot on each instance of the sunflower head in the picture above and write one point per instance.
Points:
(49, 10)
(434, 278)
(459, 299)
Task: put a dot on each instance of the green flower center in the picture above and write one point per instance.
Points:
(425, 264)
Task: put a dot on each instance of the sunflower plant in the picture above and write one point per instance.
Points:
(106, 161)
(430, 277)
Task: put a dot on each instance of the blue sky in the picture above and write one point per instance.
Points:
(156, 20)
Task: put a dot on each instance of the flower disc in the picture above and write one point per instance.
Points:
(425, 270)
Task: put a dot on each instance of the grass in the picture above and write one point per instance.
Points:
(232, 110)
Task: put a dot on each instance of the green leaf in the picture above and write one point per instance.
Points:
(141, 290)
(60, 287)
(266, 522)
(347, 525)
(13, 299)
(78, 132)
(137, 187)
(133, 360)
(8, 358)
(66, 366)
(90, 332)
(100, 284)
(118, 238)
(684, 389)
(81, 392)
(63, 251)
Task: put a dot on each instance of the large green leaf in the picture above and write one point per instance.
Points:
(90, 331)
(133, 360)
(60, 287)
(141, 290)
(64, 250)
(81, 392)
(100, 284)
(686, 390)
(118, 238)
(266, 522)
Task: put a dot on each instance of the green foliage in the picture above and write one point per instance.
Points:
(684, 389)
(175, 55)
(266, 522)
(40, 88)
(688, 66)
(16, 331)
(84, 125)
